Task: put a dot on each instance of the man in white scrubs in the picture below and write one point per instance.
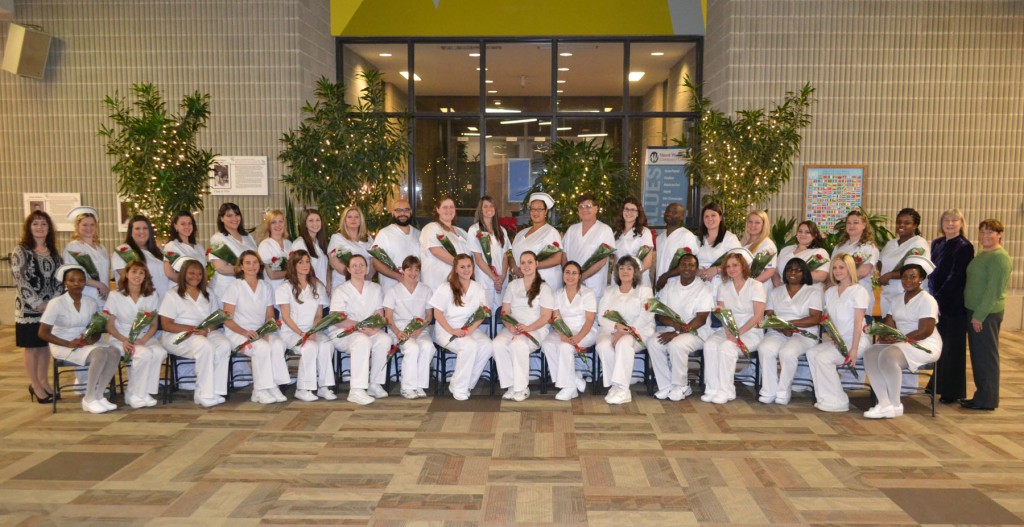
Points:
(583, 238)
(673, 238)
(399, 240)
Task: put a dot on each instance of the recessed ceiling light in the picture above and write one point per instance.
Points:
(492, 91)
(590, 135)
(635, 76)
(474, 54)
(497, 103)
(406, 75)
(384, 54)
(565, 54)
(564, 128)
(563, 69)
(472, 128)
(518, 121)
(485, 69)
(559, 91)
(607, 109)
(560, 81)
(657, 53)
(489, 81)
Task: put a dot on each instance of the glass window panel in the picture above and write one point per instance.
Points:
(589, 76)
(664, 66)
(659, 132)
(447, 165)
(607, 130)
(519, 76)
(448, 77)
(512, 139)
(386, 58)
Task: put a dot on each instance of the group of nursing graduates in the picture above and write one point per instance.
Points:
(442, 276)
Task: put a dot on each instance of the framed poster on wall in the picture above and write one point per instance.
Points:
(831, 191)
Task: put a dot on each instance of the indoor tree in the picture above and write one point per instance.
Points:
(160, 170)
(579, 167)
(743, 160)
(343, 154)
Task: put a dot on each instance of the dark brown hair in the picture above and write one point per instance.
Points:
(292, 274)
(495, 228)
(238, 263)
(321, 237)
(641, 218)
(151, 246)
(147, 283)
(29, 242)
(534, 290)
(815, 233)
(183, 286)
(453, 279)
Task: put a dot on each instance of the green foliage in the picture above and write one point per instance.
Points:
(742, 161)
(575, 168)
(290, 220)
(343, 154)
(160, 170)
(782, 232)
(877, 223)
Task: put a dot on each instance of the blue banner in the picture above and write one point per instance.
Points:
(666, 180)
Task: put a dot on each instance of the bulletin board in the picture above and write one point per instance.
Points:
(831, 191)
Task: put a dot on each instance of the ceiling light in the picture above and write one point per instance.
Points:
(489, 82)
(563, 69)
(492, 91)
(591, 135)
(485, 69)
(444, 109)
(501, 110)
(470, 134)
(544, 123)
(635, 76)
(559, 91)
(560, 81)
(497, 103)
(406, 75)
(565, 54)
(472, 128)
(657, 53)
(474, 54)
(564, 128)
(607, 109)
(384, 54)
(518, 121)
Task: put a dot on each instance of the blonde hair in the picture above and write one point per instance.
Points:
(851, 268)
(956, 214)
(78, 221)
(752, 244)
(268, 218)
(361, 235)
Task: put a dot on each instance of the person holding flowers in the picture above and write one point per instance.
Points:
(460, 306)
(252, 329)
(526, 311)
(440, 242)
(756, 239)
(715, 242)
(626, 327)
(85, 250)
(846, 305)
(301, 299)
(741, 303)
(181, 312)
(672, 243)
(634, 238)
(274, 248)
(408, 314)
(914, 314)
(798, 305)
(352, 238)
(140, 244)
(573, 321)
(133, 310)
(313, 240)
(952, 253)
(490, 243)
(359, 299)
(542, 239)
(858, 241)
(182, 243)
(808, 248)
(34, 263)
(682, 327)
(396, 241)
(908, 242)
(586, 242)
(73, 331)
(226, 246)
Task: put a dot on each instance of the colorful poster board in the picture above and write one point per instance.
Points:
(831, 191)
(666, 180)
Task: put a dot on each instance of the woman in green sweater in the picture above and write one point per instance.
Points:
(985, 298)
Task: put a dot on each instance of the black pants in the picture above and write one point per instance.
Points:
(985, 360)
(952, 378)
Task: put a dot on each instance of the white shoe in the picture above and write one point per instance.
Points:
(263, 396)
(897, 410)
(219, 399)
(613, 393)
(326, 393)
(829, 408)
(208, 403)
(150, 401)
(662, 394)
(679, 393)
(460, 396)
(106, 404)
(376, 391)
(305, 395)
(623, 396)
(420, 392)
(521, 396)
(358, 396)
(409, 394)
(136, 402)
(880, 413)
(707, 396)
(279, 397)
(581, 385)
(94, 407)
(782, 399)
(720, 399)
(767, 399)
(567, 394)
(509, 394)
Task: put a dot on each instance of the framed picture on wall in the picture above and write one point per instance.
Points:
(831, 191)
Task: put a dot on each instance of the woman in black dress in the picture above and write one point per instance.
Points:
(34, 262)
(951, 253)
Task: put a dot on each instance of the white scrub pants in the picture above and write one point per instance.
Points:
(720, 356)
(144, 374)
(671, 361)
(269, 368)
(212, 354)
(777, 349)
(417, 354)
(828, 388)
(617, 360)
(472, 354)
(561, 357)
(512, 357)
(369, 356)
(316, 361)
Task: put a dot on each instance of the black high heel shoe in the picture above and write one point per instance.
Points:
(32, 395)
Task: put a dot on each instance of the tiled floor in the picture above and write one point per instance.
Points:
(492, 462)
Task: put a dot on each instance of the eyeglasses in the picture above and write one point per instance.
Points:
(587, 207)
(629, 209)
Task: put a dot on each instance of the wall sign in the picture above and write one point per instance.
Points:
(831, 191)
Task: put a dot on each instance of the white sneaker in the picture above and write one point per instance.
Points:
(207, 403)
(897, 410)
(376, 391)
(409, 394)
(94, 407)
(279, 397)
(326, 393)
(679, 393)
(136, 402)
(767, 399)
(782, 399)
(220, 399)
(305, 395)
(509, 394)
(106, 404)
(420, 392)
(707, 396)
(613, 393)
(521, 396)
(460, 396)
(581, 385)
(663, 393)
(263, 397)
(150, 401)
(720, 399)
(829, 408)
(567, 394)
(621, 397)
(358, 396)
(878, 412)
